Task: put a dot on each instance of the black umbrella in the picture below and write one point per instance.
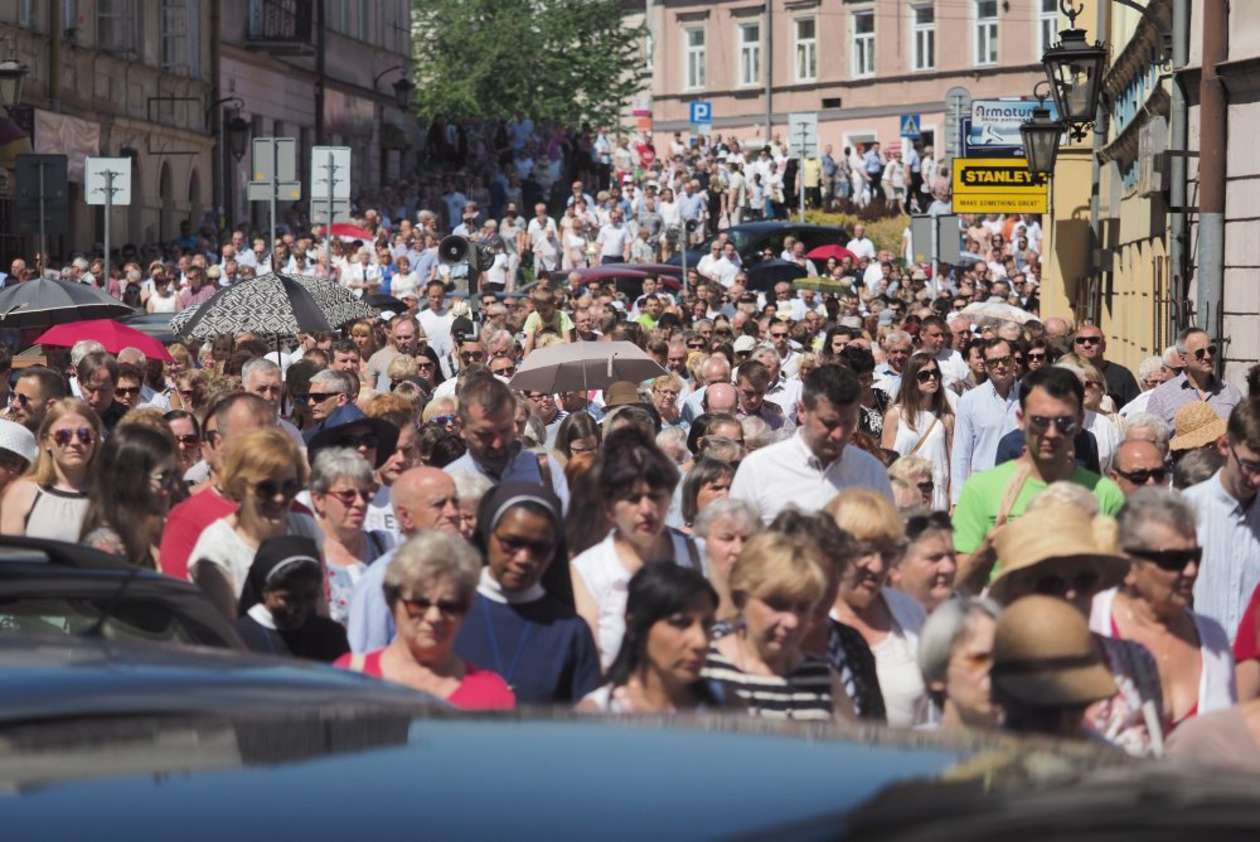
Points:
(44, 302)
(383, 302)
(764, 275)
(276, 305)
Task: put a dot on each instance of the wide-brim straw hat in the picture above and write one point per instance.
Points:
(1055, 534)
(1196, 425)
(1045, 656)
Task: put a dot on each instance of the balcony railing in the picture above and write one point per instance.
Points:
(281, 23)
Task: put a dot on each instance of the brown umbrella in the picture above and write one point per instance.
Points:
(578, 366)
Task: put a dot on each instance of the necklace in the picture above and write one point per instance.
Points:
(484, 611)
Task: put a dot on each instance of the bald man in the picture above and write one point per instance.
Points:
(1136, 464)
(721, 397)
(424, 498)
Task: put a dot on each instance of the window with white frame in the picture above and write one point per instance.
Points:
(924, 33)
(986, 32)
(806, 49)
(1047, 24)
(177, 30)
(693, 60)
(749, 53)
(864, 43)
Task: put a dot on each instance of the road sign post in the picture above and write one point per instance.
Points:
(274, 176)
(802, 142)
(330, 182)
(911, 126)
(108, 183)
(42, 199)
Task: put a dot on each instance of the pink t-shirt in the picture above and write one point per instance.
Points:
(480, 689)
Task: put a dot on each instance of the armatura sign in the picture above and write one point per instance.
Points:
(998, 185)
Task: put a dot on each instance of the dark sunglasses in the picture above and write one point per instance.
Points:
(1036, 355)
(347, 497)
(320, 397)
(127, 391)
(443, 420)
(1065, 424)
(927, 374)
(918, 524)
(1209, 351)
(188, 440)
(1170, 560)
(421, 605)
(505, 372)
(368, 440)
(269, 488)
(696, 346)
(472, 356)
(1056, 585)
(19, 398)
(1144, 475)
(85, 435)
(1087, 340)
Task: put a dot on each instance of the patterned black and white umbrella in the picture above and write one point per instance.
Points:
(274, 305)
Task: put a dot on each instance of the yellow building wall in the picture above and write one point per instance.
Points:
(1065, 251)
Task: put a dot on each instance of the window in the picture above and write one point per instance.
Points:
(749, 53)
(864, 43)
(924, 37)
(806, 50)
(694, 59)
(117, 26)
(986, 32)
(178, 31)
(1047, 24)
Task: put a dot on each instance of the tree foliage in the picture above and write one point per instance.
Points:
(564, 61)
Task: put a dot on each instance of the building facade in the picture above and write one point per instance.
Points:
(859, 65)
(123, 78)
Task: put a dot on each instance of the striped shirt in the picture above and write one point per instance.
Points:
(805, 694)
(1229, 532)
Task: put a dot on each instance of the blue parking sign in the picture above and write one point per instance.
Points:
(701, 112)
(910, 126)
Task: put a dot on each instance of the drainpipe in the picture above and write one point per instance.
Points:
(218, 161)
(55, 27)
(1212, 114)
(320, 43)
(1098, 139)
(769, 67)
(1179, 289)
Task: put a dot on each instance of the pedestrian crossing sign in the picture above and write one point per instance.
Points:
(910, 126)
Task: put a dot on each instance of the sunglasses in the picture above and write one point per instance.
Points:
(504, 372)
(927, 374)
(999, 362)
(1087, 340)
(1144, 475)
(367, 440)
(268, 489)
(417, 608)
(1036, 355)
(19, 398)
(320, 397)
(443, 420)
(1056, 585)
(187, 440)
(348, 496)
(1209, 351)
(696, 346)
(1170, 560)
(85, 435)
(127, 391)
(165, 479)
(918, 524)
(472, 356)
(1065, 424)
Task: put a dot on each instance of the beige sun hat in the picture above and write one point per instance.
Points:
(1057, 532)
(1196, 425)
(1045, 656)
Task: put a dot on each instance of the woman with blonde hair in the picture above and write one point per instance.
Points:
(869, 614)
(51, 501)
(777, 585)
(262, 471)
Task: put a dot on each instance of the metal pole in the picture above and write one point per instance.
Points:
(43, 237)
(109, 207)
(684, 257)
(1093, 308)
(1178, 125)
(332, 170)
(272, 203)
(1212, 170)
(769, 67)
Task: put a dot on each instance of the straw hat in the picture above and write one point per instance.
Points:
(1045, 656)
(1197, 424)
(621, 393)
(1052, 534)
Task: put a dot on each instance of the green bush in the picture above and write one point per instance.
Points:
(884, 231)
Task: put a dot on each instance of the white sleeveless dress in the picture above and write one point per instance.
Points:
(935, 449)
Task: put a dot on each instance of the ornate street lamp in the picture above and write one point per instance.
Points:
(402, 88)
(237, 131)
(1041, 139)
(12, 74)
(1074, 69)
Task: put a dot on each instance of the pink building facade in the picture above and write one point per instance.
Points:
(859, 65)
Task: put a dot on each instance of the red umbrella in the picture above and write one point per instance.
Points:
(829, 251)
(351, 232)
(111, 334)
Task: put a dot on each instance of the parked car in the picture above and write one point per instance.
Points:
(751, 238)
(157, 325)
(56, 588)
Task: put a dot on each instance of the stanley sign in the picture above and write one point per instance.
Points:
(998, 185)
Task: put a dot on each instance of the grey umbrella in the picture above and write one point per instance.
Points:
(274, 305)
(44, 302)
(577, 366)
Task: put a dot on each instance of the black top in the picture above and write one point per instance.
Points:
(321, 639)
(1121, 384)
(1011, 446)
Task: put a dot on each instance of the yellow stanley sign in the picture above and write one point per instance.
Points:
(998, 185)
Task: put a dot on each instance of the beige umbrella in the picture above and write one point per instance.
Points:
(579, 366)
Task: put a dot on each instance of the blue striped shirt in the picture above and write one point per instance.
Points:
(1229, 532)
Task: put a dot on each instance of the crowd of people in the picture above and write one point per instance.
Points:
(863, 503)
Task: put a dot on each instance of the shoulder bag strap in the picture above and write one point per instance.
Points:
(1011, 495)
(935, 420)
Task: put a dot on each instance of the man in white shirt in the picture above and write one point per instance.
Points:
(435, 319)
(613, 239)
(861, 245)
(716, 267)
(933, 335)
(984, 415)
(815, 464)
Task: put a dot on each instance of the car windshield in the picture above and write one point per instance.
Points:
(130, 619)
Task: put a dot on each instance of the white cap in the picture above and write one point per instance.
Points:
(17, 439)
(745, 344)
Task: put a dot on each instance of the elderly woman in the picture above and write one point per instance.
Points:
(1097, 419)
(955, 656)
(928, 563)
(342, 486)
(278, 607)
(429, 588)
(520, 629)
(635, 484)
(665, 392)
(442, 412)
(669, 614)
(777, 585)
(51, 501)
(913, 483)
(886, 621)
(470, 488)
(708, 481)
(722, 529)
(262, 472)
(1157, 532)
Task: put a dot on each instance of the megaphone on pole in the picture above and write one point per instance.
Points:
(455, 249)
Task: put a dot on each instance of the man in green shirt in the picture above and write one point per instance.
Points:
(651, 313)
(1050, 413)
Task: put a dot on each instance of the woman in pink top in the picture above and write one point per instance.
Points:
(429, 587)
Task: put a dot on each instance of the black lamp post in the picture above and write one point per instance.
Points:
(1041, 139)
(237, 130)
(1074, 68)
(12, 74)
(402, 88)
